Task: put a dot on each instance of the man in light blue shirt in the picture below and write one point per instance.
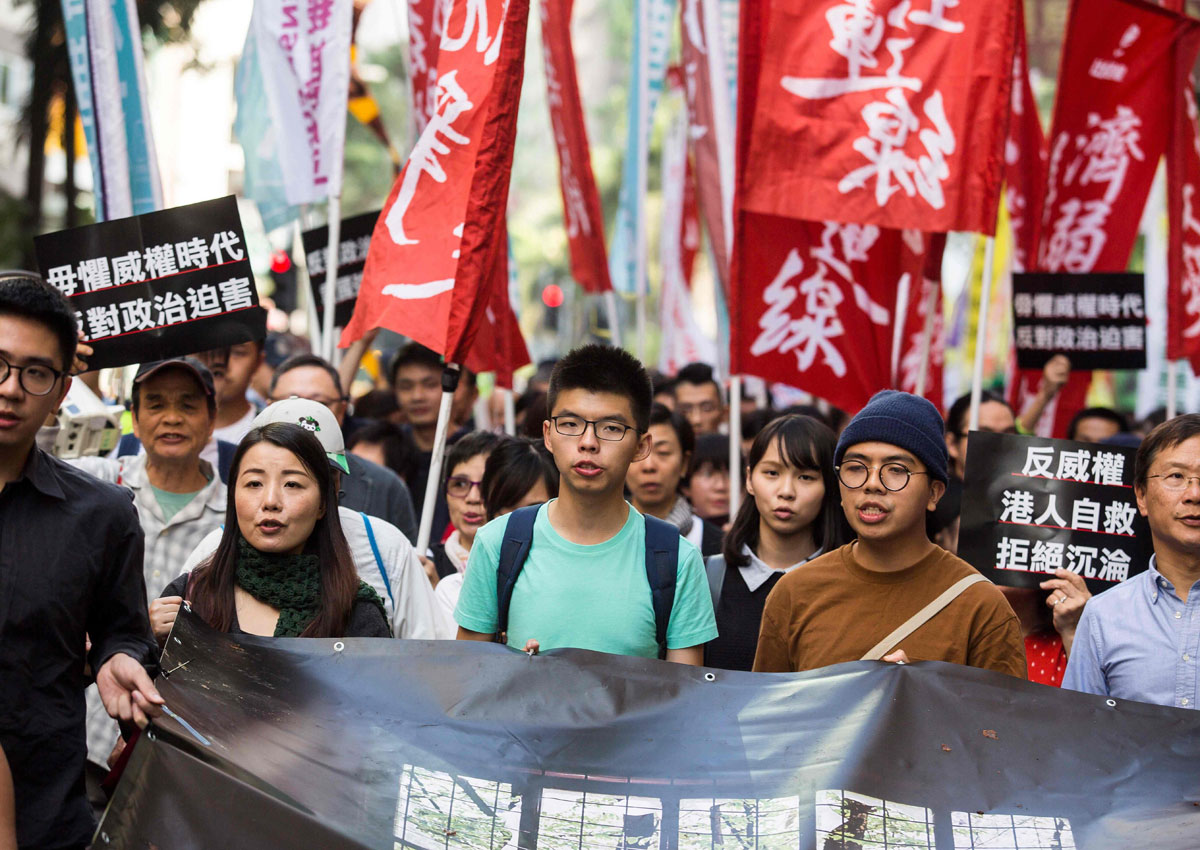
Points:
(1140, 640)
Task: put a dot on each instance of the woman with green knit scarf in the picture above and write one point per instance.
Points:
(283, 567)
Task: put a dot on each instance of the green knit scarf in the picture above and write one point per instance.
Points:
(291, 584)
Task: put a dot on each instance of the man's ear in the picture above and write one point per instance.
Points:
(1140, 492)
(937, 489)
(546, 425)
(645, 444)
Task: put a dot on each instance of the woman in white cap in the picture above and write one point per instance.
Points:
(282, 567)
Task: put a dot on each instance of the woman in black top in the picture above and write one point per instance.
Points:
(791, 516)
(283, 567)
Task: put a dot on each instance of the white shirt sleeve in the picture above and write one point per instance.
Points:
(202, 552)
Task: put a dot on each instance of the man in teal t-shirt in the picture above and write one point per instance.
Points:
(584, 582)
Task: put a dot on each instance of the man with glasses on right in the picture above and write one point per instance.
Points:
(1140, 640)
(890, 595)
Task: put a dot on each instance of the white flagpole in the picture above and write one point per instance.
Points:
(449, 384)
(927, 338)
(1172, 389)
(735, 444)
(329, 298)
(510, 413)
(985, 296)
(614, 318)
(314, 324)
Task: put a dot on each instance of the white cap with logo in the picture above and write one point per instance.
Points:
(314, 417)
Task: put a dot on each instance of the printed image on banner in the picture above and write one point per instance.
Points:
(1097, 320)
(1032, 505)
(353, 242)
(157, 285)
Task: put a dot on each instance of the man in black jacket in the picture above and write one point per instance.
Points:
(70, 571)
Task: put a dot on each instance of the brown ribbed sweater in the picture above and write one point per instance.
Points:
(833, 610)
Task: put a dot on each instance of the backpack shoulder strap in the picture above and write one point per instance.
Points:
(128, 445)
(518, 539)
(378, 558)
(715, 568)
(922, 617)
(662, 568)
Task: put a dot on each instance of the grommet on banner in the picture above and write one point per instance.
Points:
(1112, 703)
(104, 837)
(339, 646)
(710, 677)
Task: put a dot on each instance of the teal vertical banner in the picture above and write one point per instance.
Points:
(75, 22)
(139, 145)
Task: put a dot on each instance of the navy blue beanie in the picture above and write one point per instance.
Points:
(904, 420)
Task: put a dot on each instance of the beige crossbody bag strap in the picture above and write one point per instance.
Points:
(922, 617)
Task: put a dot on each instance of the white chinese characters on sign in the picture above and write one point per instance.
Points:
(167, 308)
(893, 127)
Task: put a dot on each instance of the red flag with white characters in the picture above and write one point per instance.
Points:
(711, 116)
(433, 252)
(923, 320)
(582, 212)
(499, 346)
(1183, 209)
(1024, 158)
(426, 22)
(884, 112)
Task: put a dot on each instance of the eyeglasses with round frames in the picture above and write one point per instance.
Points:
(893, 476)
(35, 379)
(1175, 481)
(459, 486)
(604, 429)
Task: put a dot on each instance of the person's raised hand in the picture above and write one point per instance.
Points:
(430, 570)
(1068, 596)
(82, 352)
(897, 657)
(127, 692)
(1055, 374)
(532, 647)
(163, 612)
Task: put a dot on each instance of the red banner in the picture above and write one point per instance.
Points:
(1024, 158)
(582, 212)
(711, 119)
(1183, 208)
(426, 21)
(891, 113)
(923, 340)
(1110, 128)
(499, 346)
(432, 254)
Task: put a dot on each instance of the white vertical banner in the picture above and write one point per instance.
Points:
(109, 112)
(304, 52)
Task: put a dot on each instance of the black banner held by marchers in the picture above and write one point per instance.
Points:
(1032, 505)
(158, 285)
(353, 242)
(1098, 320)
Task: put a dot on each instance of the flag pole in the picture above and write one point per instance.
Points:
(927, 338)
(450, 377)
(903, 293)
(329, 299)
(614, 321)
(735, 444)
(1172, 389)
(510, 413)
(314, 323)
(985, 297)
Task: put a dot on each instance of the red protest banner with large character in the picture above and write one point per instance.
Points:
(923, 334)
(1183, 206)
(901, 107)
(432, 256)
(1025, 157)
(426, 21)
(582, 212)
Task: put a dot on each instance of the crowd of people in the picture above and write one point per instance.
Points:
(254, 491)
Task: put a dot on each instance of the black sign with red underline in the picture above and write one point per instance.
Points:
(157, 285)
(1032, 505)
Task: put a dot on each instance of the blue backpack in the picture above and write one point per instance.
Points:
(662, 566)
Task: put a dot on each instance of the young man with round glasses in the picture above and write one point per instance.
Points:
(1141, 639)
(70, 570)
(584, 581)
(891, 594)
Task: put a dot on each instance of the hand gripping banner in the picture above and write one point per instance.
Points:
(448, 745)
(891, 113)
(432, 254)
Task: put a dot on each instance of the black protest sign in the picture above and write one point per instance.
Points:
(353, 241)
(157, 285)
(1097, 320)
(1032, 505)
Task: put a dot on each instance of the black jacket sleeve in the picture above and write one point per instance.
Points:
(366, 620)
(118, 619)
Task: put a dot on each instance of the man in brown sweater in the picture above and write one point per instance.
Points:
(891, 462)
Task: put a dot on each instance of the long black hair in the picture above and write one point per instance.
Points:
(512, 470)
(212, 587)
(804, 443)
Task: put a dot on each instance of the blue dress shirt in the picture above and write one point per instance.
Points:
(1139, 641)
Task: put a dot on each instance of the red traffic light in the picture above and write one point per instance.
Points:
(280, 262)
(552, 295)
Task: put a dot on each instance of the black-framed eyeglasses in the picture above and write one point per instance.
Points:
(893, 476)
(36, 379)
(460, 486)
(604, 429)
